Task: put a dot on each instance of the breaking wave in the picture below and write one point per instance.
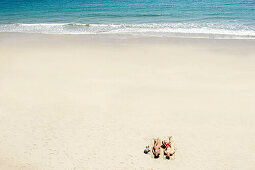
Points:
(207, 30)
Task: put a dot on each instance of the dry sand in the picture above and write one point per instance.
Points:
(94, 102)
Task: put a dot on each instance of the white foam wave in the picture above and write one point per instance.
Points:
(215, 30)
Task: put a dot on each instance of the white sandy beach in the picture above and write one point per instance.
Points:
(74, 102)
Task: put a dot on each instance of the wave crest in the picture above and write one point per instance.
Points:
(233, 30)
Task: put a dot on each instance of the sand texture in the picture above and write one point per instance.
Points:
(70, 102)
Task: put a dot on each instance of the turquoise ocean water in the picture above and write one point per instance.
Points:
(192, 18)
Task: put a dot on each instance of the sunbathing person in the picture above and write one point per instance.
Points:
(156, 148)
(169, 148)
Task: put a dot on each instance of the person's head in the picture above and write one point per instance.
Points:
(167, 157)
(156, 155)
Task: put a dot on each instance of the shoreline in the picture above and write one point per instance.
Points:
(126, 39)
(192, 30)
(128, 35)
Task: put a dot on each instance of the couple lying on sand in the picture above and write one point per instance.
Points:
(169, 149)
